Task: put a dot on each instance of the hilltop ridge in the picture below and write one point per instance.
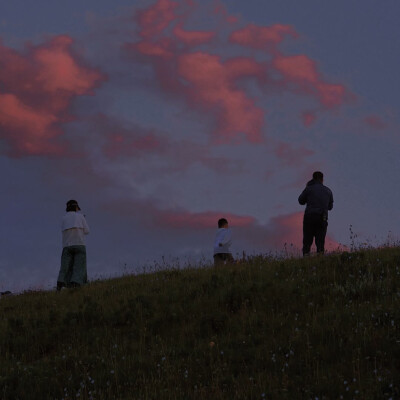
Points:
(315, 328)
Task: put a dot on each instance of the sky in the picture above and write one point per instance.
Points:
(160, 117)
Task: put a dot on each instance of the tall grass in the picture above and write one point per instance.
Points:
(315, 328)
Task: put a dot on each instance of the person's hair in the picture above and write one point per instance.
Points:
(72, 205)
(318, 175)
(222, 222)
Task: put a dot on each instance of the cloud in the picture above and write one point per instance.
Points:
(280, 233)
(289, 229)
(301, 71)
(262, 37)
(38, 88)
(286, 232)
(130, 143)
(220, 87)
(375, 122)
(201, 220)
(192, 38)
(220, 10)
(211, 85)
(308, 118)
(290, 155)
(27, 130)
(153, 20)
(153, 215)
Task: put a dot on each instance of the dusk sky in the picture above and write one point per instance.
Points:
(162, 116)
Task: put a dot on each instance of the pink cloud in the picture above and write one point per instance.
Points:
(28, 131)
(298, 68)
(201, 220)
(166, 218)
(288, 230)
(262, 37)
(135, 142)
(211, 87)
(192, 38)
(206, 81)
(331, 95)
(308, 118)
(375, 122)
(39, 87)
(221, 10)
(213, 84)
(156, 18)
(59, 71)
(303, 72)
(151, 49)
(281, 232)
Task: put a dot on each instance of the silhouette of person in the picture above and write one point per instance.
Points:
(73, 270)
(319, 201)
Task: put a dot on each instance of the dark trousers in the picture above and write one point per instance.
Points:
(222, 258)
(73, 266)
(314, 226)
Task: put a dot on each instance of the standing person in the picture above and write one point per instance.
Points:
(73, 272)
(319, 200)
(223, 240)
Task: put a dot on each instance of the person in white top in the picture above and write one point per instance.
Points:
(73, 270)
(222, 243)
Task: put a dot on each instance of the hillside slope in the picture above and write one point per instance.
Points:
(316, 328)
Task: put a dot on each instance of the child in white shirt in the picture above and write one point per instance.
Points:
(223, 240)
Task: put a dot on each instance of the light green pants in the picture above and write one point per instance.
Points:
(73, 266)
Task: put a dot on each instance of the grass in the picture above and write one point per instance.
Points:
(315, 328)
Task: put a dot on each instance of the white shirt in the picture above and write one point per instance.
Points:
(74, 228)
(223, 236)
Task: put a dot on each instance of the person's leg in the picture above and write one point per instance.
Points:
(320, 237)
(79, 271)
(67, 260)
(218, 259)
(229, 258)
(308, 235)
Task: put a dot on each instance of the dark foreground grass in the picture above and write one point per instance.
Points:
(318, 328)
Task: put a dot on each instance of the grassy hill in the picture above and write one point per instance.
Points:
(317, 328)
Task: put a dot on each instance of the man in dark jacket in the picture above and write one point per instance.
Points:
(319, 200)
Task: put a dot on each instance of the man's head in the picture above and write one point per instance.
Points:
(318, 176)
(222, 223)
(72, 205)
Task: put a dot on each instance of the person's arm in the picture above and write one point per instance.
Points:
(330, 206)
(226, 239)
(303, 197)
(86, 229)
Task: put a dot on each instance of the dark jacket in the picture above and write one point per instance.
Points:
(319, 198)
